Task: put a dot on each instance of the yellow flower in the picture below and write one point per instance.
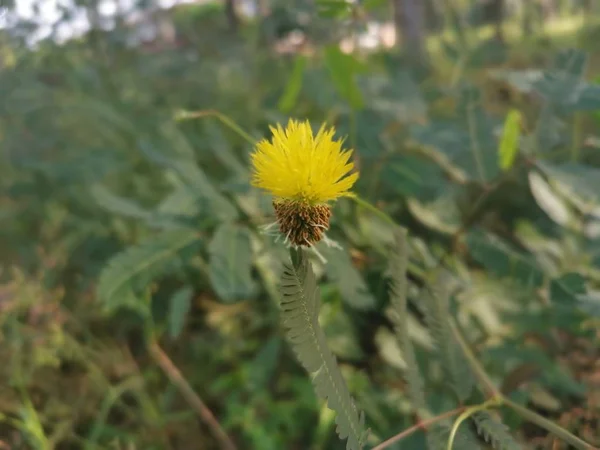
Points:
(303, 172)
(296, 165)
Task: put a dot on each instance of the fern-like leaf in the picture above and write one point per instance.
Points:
(300, 309)
(398, 296)
(128, 271)
(494, 432)
(435, 306)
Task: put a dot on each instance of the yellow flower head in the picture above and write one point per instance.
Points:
(303, 172)
(296, 165)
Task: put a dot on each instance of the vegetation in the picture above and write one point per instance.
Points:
(455, 304)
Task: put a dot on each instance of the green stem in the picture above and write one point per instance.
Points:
(548, 425)
(187, 392)
(478, 369)
(365, 204)
(353, 128)
(494, 401)
(186, 115)
(500, 399)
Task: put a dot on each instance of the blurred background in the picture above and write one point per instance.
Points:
(127, 220)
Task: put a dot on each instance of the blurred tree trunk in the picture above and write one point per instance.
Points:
(409, 17)
(262, 7)
(434, 17)
(550, 8)
(497, 10)
(231, 14)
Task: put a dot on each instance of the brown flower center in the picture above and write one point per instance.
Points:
(303, 224)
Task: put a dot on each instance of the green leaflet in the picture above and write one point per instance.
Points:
(117, 205)
(494, 432)
(134, 268)
(180, 304)
(294, 85)
(509, 144)
(398, 295)
(435, 306)
(338, 9)
(349, 280)
(343, 68)
(299, 314)
(230, 266)
(194, 178)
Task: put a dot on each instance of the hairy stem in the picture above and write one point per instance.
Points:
(195, 402)
(185, 115)
(478, 369)
(365, 204)
(499, 399)
(548, 425)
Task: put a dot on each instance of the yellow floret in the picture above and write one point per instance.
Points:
(295, 165)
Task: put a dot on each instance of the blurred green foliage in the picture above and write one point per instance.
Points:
(121, 223)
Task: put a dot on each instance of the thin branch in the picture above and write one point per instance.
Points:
(478, 369)
(548, 425)
(419, 426)
(186, 115)
(499, 399)
(365, 204)
(173, 373)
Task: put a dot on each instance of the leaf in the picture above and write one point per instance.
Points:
(564, 290)
(482, 143)
(294, 85)
(337, 9)
(231, 263)
(342, 69)
(577, 182)
(348, 280)
(214, 139)
(467, 145)
(390, 351)
(179, 307)
(397, 97)
(373, 4)
(502, 259)
(441, 214)
(435, 302)
(549, 133)
(413, 176)
(262, 367)
(509, 143)
(117, 205)
(299, 314)
(551, 203)
(398, 297)
(196, 180)
(521, 80)
(134, 268)
(494, 432)
(180, 202)
(341, 333)
(590, 303)
(562, 86)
